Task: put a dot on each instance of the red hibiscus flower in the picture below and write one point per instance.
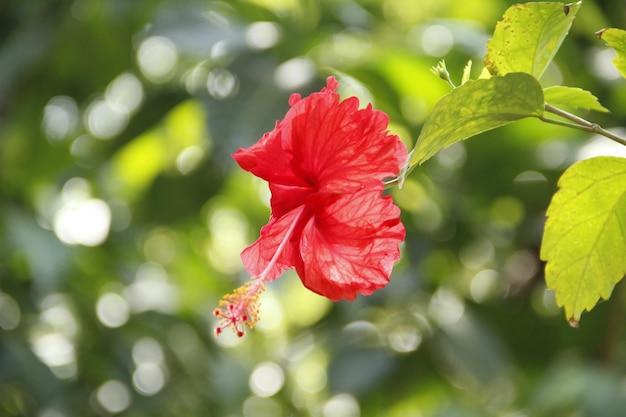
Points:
(325, 163)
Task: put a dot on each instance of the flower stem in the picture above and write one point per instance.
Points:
(579, 123)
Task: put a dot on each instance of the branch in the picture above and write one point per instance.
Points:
(579, 123)
(574, 122)
(399, 180)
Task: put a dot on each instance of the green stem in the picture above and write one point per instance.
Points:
(406, 169)
(396, 181)
(571, 121)
(579, 123)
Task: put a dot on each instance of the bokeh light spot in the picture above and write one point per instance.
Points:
(157, 57)
(229, 236)
(484, 285)
(507, 211)
(530, 176)
(273, 313)
(57, 315)
(413, 109)
(147, 350)
(160, 246)
(148, 379)
(189, 159)
(520, 268)
(54, 349)
(404, 339)
(446, 307)
(105, 120)
(437, 40)
(112, 310)
(222, 83)
(477, 254)
(266, 379)
(113, 396)
(362, 333)
(149, 376)
(602, 64)
(83, 222)
(50, 412)
(125, 92)
(120, 214)
(302, 307)
(75, 188)
(222, 50)
(311, 376)
(601, 146)
(552, 154)
(9, 312)
(262, 35)
(195, 79)
(452, 157)
(351, 45)
(52, 337)
(60, 117)
(342, 405)
(294, 73)
(152, 291)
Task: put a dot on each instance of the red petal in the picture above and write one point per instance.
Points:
(267, 159)
(287, 197)
(324, 145)
(350, 245)
(331, 158)
(338, 147)
(257, 256)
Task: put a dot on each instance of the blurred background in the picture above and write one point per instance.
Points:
(122, 216)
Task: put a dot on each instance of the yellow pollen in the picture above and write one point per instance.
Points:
(240, 308)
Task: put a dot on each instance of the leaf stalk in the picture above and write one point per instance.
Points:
(576, 122)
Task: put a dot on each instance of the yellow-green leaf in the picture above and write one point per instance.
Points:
(475, 107)
(528, 36)
(584, 241)
(572, 97)
(466, 72)
(616, 39)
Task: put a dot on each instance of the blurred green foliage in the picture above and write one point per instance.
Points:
(122, 217)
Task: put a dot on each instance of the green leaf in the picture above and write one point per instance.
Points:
(572, 97)
(584, 241)
(475, 107)
(528, 36)
(616, 39)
